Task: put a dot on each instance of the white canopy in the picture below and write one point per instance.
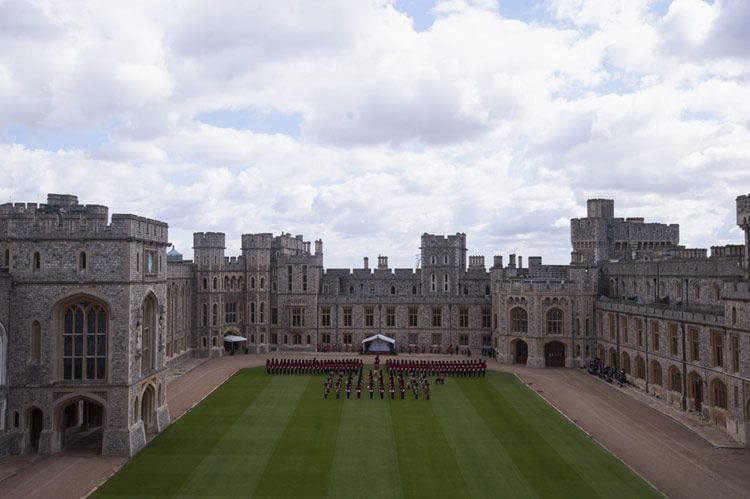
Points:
(233, 338)
(379, 337)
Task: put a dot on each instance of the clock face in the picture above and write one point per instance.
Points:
(149, 262)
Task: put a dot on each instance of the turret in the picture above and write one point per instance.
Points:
(743, 220)
(208, 250)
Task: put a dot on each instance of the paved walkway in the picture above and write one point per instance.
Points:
(675, 459)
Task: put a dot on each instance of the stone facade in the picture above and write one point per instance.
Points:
(676, 319)
(85, 303)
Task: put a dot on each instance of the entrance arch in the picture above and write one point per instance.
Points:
(34, 425)
(520, 351)
(79, 425)
(554, 354)
(148, 409)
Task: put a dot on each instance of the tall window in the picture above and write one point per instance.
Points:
(304, 278)
(347, 317)
(554, 321)
(717, 346)
(413, 316)
(215, 315)
(734, 349)
(433, 283)
(289, 277)
(37, 261)
(672, 328)
(369, 317)
(252, 312)
(390, 316)
(262, 314)
(486, 316)
(230, 311)
(82, 261)
(639, 332)
(325, 317)
(518, 320)
(655, 336)
(695, 344)
(297, 317)
(437, 316)
(446, 284)
(84, 341)
(624, 330)
(463, 317)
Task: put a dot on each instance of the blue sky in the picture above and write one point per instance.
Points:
(367, 123)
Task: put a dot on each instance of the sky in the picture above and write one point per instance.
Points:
(367, 123)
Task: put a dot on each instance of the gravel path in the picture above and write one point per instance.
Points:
(674, 459)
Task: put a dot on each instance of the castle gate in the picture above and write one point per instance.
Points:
(554, 354)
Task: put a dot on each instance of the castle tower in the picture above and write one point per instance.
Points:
(743, 220)
(443, 262)
(256, 252)
(208, 250)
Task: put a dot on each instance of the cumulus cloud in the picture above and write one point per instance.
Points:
(496, 127)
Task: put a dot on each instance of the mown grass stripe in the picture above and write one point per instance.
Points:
(172, 458)
(301, 463)
(601, 471)
(365, 464)
(238, 459)
(428, 466)
(487, 467)
(542, 466)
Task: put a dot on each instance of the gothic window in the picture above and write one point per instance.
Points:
(252, 282)
(252, 312)
(446, 284)
(84, 341)
(414, 290)
(393, 290)
(518, 320)
(82, 262)
(262, 314)
(205, 284)
(37, 261)
(433, 283)
(554, 321)
(216, 283)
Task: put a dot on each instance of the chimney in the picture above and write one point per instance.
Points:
(512, 261)
(520, 262)
(367, 263)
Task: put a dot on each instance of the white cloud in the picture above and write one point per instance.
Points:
(495, 127)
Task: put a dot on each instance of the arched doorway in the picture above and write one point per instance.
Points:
(34, 423)
(80, 426)
(554, 354)
(520, 351)
(148, 410)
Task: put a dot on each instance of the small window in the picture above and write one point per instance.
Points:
(6, 258)
(37, 263)
(393, 290)
(445, 259)
(82, 261)
(205, 283)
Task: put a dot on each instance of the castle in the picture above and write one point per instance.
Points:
(93, 310)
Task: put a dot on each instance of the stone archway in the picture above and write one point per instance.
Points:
(148, 410)
(34, 426)
(79, 425)
(554, 354)
(520, 351)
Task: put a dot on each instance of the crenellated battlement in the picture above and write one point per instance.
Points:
(209, 240)
(64, 218)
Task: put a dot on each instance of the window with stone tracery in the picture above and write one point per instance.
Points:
(84, 341)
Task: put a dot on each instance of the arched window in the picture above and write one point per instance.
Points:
(252, 312)
(414, 290)
(696, 291)
(214, 315)
(226, 282)
(554, 321)
(37, 263)
(640, 367)
(84, 341)
(719, 394)
(36, 338)
(518, 320)
(433, 283)
(216, 283)
(393, 290)
(205, 284)
(148, 335)
(656, 373)
(252, 282)
(446, 284)
(262, 283)
(734, 316)
(82, 262)
(675, 379)
(262, 315)
(205, 314)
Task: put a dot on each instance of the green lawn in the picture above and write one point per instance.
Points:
(275, 436)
